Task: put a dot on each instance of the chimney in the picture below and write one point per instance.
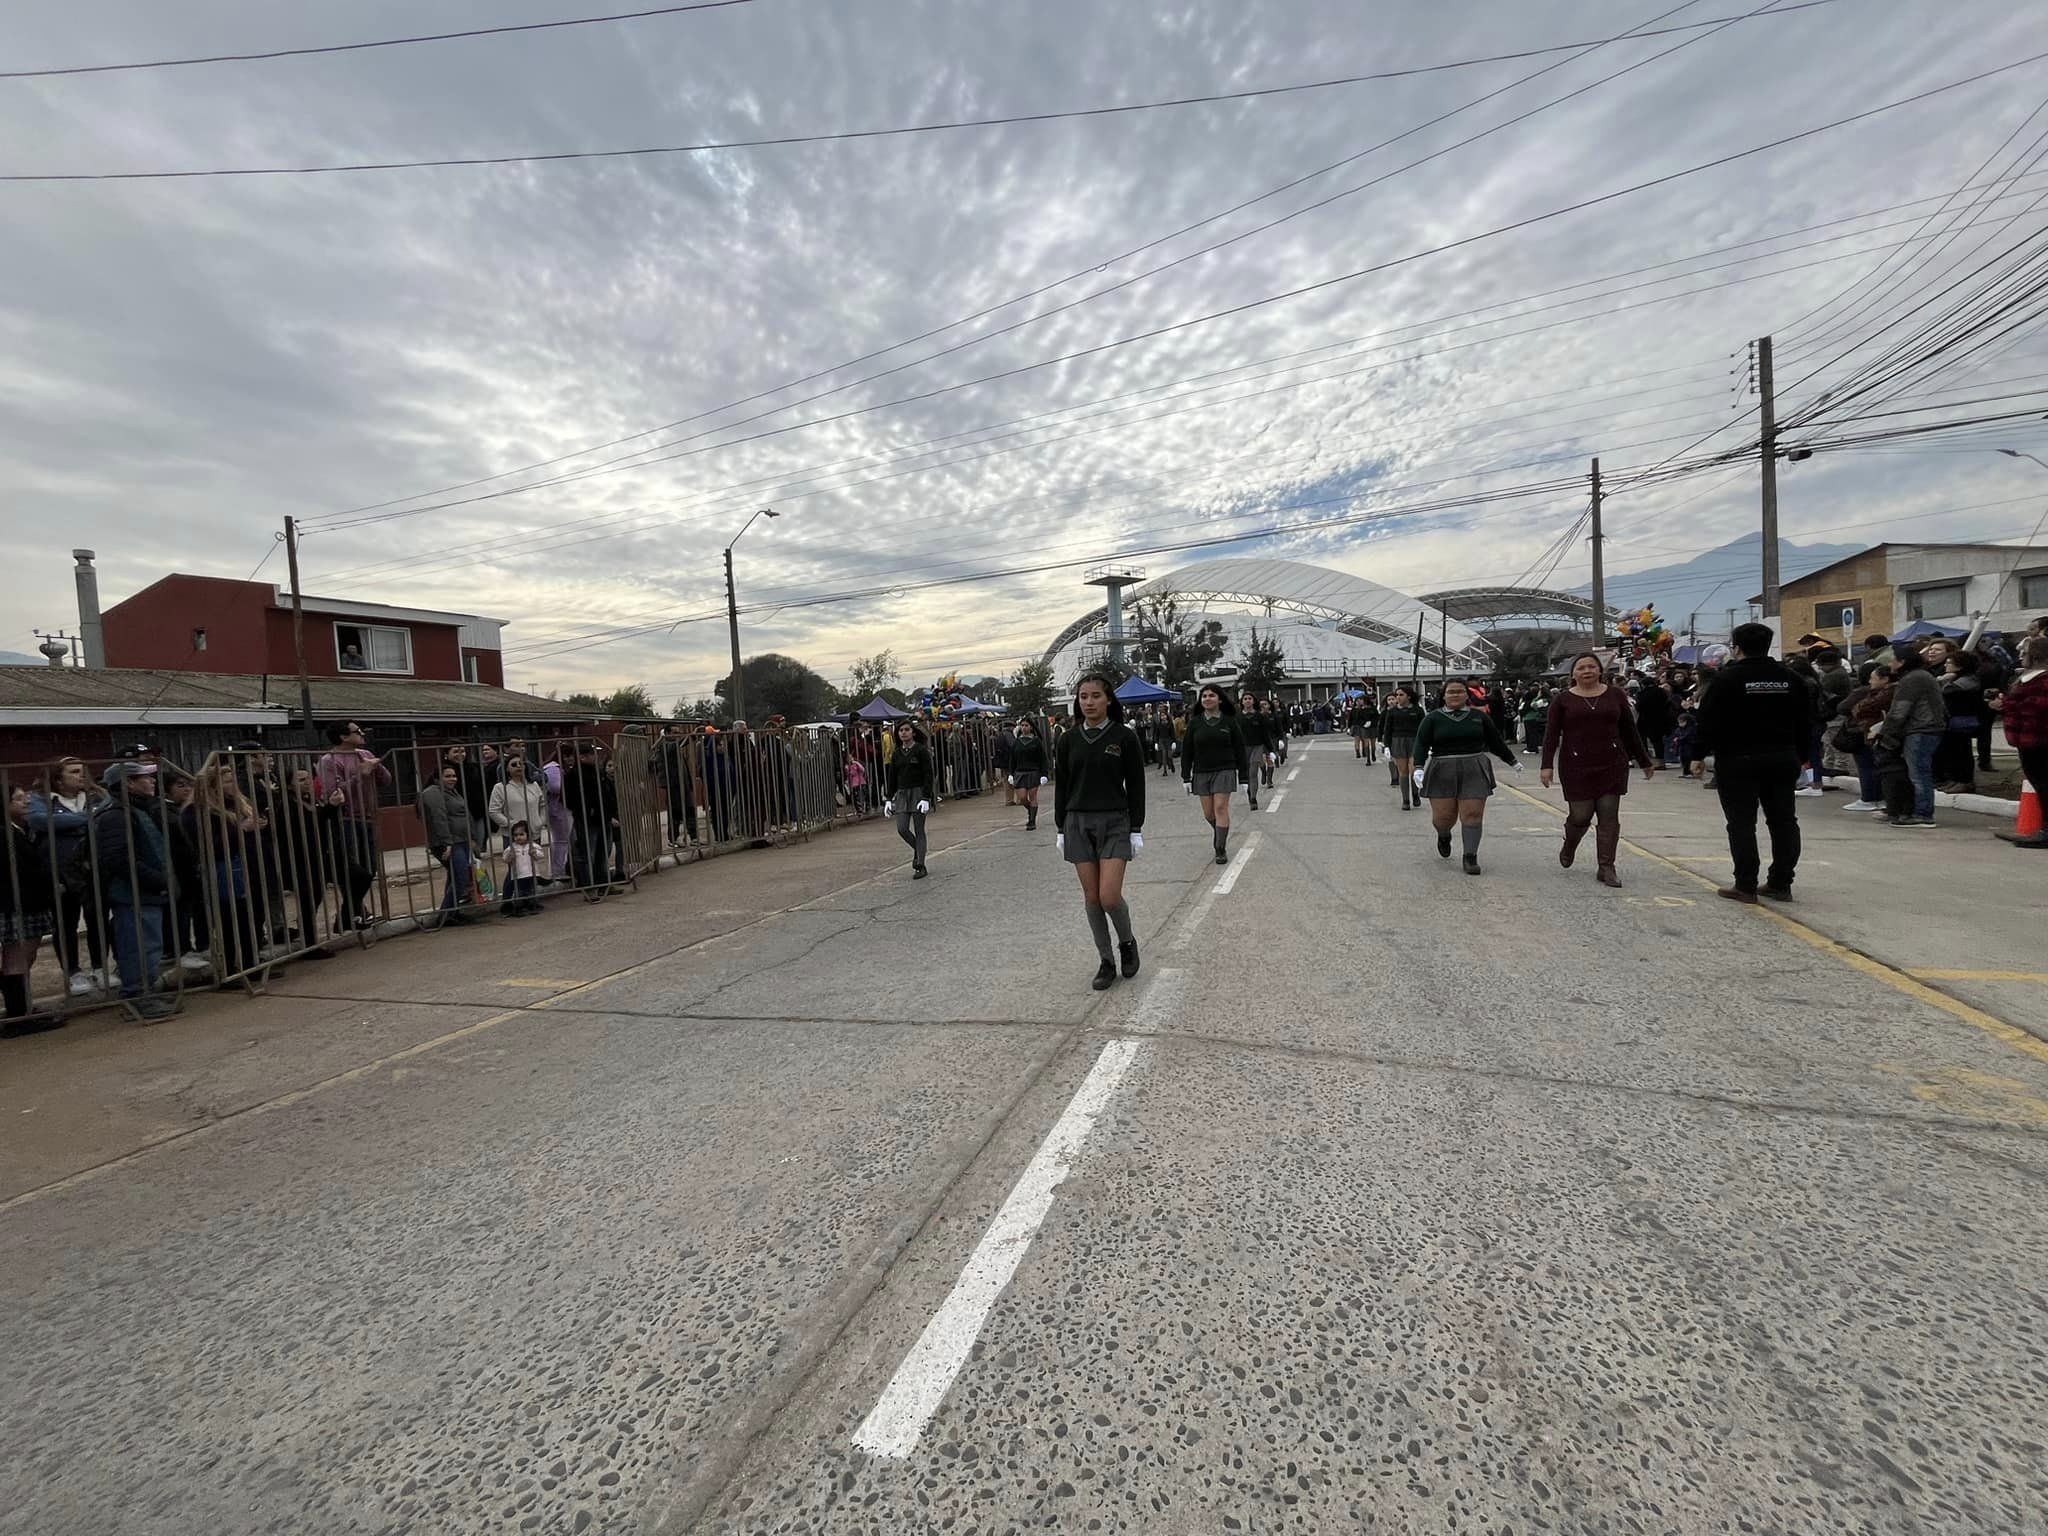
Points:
(89, 610)
(54, 650)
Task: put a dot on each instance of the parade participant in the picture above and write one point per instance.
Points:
(1591, 726)
(1261, 735)
(1278, 732)
(1535, 715)
(1753, 723)
(1098, 804)
(912, 785)
(1005, 747)
(1215, 757)
(1451, 752)
(1364, 720)
(1029, 770)
(1401, 722)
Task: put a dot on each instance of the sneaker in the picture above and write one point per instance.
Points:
(1104, 975)
(1862, 805)
(1737, 893)
(1913, 823)
(1810, 792)
(1129, 952)
(153, 1010)
(1775, 892)
(195, 961)
(82, 984)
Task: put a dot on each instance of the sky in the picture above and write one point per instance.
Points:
(185, 363)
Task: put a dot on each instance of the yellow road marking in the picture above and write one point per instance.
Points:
(2037, 976)
(1897, 980)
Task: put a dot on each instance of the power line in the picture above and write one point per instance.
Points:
(387, 42)
(787, 140)
(984, 312)
(1298, 292)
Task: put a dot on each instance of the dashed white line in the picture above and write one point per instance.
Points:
(907, 1405)
(1294, 775)
(1273, 804)
(1162, 1002)
(1185, 935)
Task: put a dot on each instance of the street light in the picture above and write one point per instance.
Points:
(732, 617)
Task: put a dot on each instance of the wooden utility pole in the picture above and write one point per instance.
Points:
(1767, 403)
(1599, 568)
(291, 556)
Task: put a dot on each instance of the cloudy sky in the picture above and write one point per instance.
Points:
(183, 363)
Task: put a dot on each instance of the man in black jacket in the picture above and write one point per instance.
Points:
(1754, 723)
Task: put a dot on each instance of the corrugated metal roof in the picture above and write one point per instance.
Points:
(67, 688)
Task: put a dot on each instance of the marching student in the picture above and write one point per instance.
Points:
(1098, 805)
(1028, 770)
(1277, 730)
(1364, 720)
(912, 785)
(1261, 739)
(1213, 760)
(1401, 722)
(1452, 752)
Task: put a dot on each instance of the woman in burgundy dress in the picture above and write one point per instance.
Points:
(1592, 725)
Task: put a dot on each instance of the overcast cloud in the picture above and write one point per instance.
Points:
(182, 364)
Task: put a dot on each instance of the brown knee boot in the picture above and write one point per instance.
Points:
(1574, 834)
(1605, 842)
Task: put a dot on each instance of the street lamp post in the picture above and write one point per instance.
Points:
(732, 617)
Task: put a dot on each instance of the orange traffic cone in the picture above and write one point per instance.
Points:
(2029, 832)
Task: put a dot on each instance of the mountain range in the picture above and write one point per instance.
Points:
(1711, 584)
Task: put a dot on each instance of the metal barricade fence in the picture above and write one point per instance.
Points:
(170, 875)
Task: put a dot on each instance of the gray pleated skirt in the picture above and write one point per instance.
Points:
(1468, 776)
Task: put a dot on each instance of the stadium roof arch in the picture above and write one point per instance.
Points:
(1492, 605)
(1351, 604)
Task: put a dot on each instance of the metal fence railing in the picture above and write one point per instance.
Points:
(128, 883)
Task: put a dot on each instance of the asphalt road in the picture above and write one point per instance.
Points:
(788, 1195)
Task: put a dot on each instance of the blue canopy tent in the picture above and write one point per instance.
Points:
(879, 708)
(1927, 629)
(976, 707)
(1135, 690)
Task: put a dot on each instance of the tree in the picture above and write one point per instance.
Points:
(712, 711)
(632, 702)
(1172, 648)
(1263, 665)
(583, 704)
(780, 685)
(869, 675)
(988, 690)
(1030, 690)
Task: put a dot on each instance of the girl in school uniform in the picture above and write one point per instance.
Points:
(1213, 759)
(1098, 805)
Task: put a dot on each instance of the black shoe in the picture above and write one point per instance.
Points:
(1471, 863)
(1222, 857)
(1104, 975)
(1737, 893)
(1443, 845)
(1129, 951)
(1775, 891)
(1031, 823)
(918, 872)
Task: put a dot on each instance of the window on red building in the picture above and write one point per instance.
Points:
(372, 648)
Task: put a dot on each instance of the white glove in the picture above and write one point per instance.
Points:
(1043, 782)
(924, 807)
(1271, 759)
(1418, 778)
(1013, 781)
(1059, 841)
(1191, 785)
(888, 807)
(1137, 844)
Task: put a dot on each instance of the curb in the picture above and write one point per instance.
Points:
(1982, 805)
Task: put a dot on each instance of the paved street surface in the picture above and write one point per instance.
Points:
(786, 1195)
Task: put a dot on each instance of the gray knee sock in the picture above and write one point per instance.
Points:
(1098, 924)
(1472, 833)
(1120, 914)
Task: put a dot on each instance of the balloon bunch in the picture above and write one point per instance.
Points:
(1645, 634)
(942, 700)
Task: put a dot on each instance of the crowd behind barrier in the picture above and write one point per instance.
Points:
(129, 881)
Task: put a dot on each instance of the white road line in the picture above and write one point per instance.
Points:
(1162, 1002)
(921, 1382)
(1186, 933)
(1294, 775)
(1273, 804)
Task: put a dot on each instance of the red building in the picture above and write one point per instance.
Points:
(244, 628)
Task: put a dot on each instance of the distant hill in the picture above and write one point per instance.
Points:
(1716, 581)
(16, 659)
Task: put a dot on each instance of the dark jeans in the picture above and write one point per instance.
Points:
(456, 893)
(138, 934)
(70, 910)
(1953, 763)
(2034, 764)
(682, 811)
(1869, 783)
(1896, 781)
(1747, 785)
(1985, 724)
(590, 852)
(519, 894)
(358, 849)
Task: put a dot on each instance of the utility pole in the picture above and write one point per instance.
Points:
(291, 556)
(1767, 404)
(732, 624)
(1599, 568)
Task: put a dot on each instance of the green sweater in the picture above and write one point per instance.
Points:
(1447, 735)
(1214, 746)
(1106, 774)
(1400, 720)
